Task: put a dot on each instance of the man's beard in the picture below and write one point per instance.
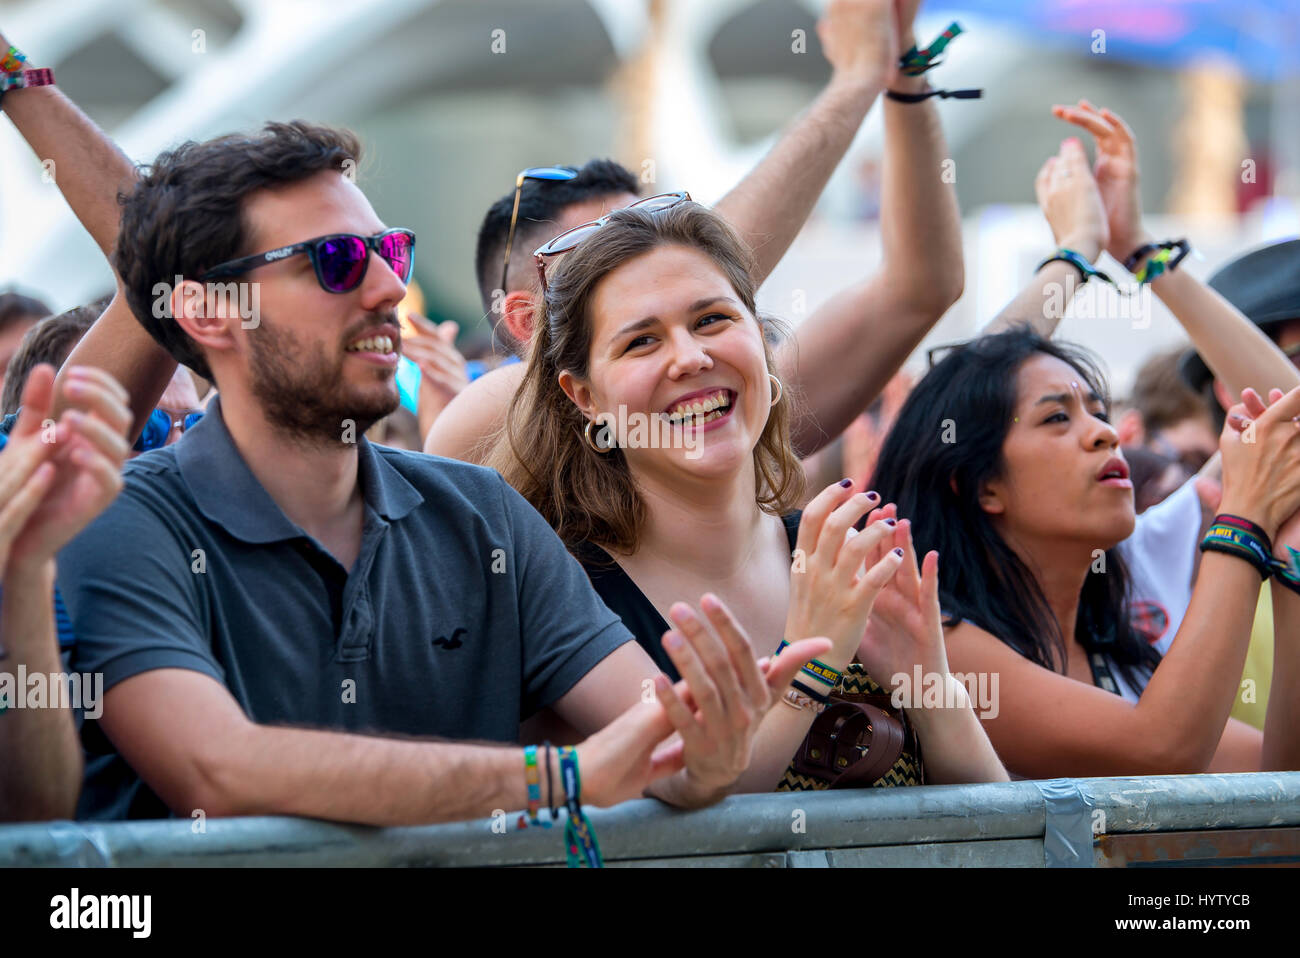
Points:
(305, 396)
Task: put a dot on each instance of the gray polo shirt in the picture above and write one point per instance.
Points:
(463, 614)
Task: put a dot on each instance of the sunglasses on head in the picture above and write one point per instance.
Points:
(158, 428)
(340, 259)
(532, 173)
(571, 238)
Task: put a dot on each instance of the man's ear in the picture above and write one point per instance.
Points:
(579, 394)
(203, 315)
(518, 311)
(1130, 428)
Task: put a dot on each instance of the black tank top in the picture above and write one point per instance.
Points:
(638, 613)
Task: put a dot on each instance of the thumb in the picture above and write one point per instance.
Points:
(37, 400)
(783, 667)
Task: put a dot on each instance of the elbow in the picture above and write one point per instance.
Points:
(1169, 753)
(213, 785)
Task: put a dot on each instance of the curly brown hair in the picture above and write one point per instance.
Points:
(185, 214)
(587, 497)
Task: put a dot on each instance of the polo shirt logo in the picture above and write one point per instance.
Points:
(453, 643)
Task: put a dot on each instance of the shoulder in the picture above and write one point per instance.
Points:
(466, 427)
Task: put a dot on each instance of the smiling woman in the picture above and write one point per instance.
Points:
(651, 320)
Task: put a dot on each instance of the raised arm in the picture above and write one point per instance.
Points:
(90, 172)
(1232, 346)
(843, 355)
(770, 205)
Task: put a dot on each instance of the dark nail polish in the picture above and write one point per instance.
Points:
(874, 497)
(899, 553)
(891, 522)
(846, 483)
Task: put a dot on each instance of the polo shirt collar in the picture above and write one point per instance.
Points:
(226, 491)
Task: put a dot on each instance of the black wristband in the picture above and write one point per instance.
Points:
(941, 94)
(815, 696)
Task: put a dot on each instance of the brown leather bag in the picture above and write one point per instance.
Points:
(857, 740)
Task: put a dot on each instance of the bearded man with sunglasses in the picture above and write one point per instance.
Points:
(283, 613)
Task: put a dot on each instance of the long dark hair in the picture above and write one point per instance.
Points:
(971, 396)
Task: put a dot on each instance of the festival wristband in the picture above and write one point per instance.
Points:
(27, 78)
(1166, 259)
(580, 845)
(915, 62)
(1079, 262)
(815, 669)
(941, 94)
(12, 61)
(550, 786)
(1233, 535)
(534, 789)
(1286, 572)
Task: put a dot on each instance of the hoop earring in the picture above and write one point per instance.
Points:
(780, 390)
(586, 435)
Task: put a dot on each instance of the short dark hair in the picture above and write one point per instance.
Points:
(540, 204)
(49, 341)
(16, 308)
(185, 215)
(1161, 394)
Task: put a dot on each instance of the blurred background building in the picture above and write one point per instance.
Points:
(453, 97)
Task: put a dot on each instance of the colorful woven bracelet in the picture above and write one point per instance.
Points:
(815, 669)
(27, 78)
(534, 789)
(1166, 259)
(12, 61)
(915, 62)
(580, 845)
(1239, 537)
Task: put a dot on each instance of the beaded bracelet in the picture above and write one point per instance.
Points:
(815, 669)
(12, 61)
(42, 76)
(580, 843)
(534, 790)
(1235, 536)
(1166, 259)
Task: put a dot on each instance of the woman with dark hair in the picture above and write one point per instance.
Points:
(653, 434)
(1006, 460)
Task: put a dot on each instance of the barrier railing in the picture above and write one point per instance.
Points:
(1215, 819)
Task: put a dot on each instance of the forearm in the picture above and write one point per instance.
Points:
(955, 748)
(88, 167)
(1043, 301)
(1281, 748)
(770, 205)
(1232, 346)
(1183, 711)
(42, 758)
(775, 745)
(353, 778)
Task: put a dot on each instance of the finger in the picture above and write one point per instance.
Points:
(447, 332)
(1122, 130)
(713, 655)
(1074, 156)
(1255, 406)
(21, 505)
(878, 576)
(835, 532)
(814, 516)
(37, 401)
(102, 377)
(1237, 420)
(1286, 407)
(423, 326)
(668, 760)
(98, 400)
(681, 717)
(909, 574)
(930, 585)
(686, 647)
(1091, 122)
(1044, 175)
(99, 434)
(1274, 395)
(106, 473)
(784, 667)
(739, 648)
(863, 548)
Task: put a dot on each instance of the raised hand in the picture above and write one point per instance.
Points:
(86, 455)
(1261, 460)
(705, 724)
(1239, 419)
(906, 627)
(442, 367)
(831, 593)
(861, 40)
(1116, 173)
(1069, 198)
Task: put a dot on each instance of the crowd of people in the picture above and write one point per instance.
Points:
(607, 574)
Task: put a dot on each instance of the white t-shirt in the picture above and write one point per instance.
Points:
(1161, 554)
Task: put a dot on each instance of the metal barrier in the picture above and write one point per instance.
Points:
(1168, 820)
